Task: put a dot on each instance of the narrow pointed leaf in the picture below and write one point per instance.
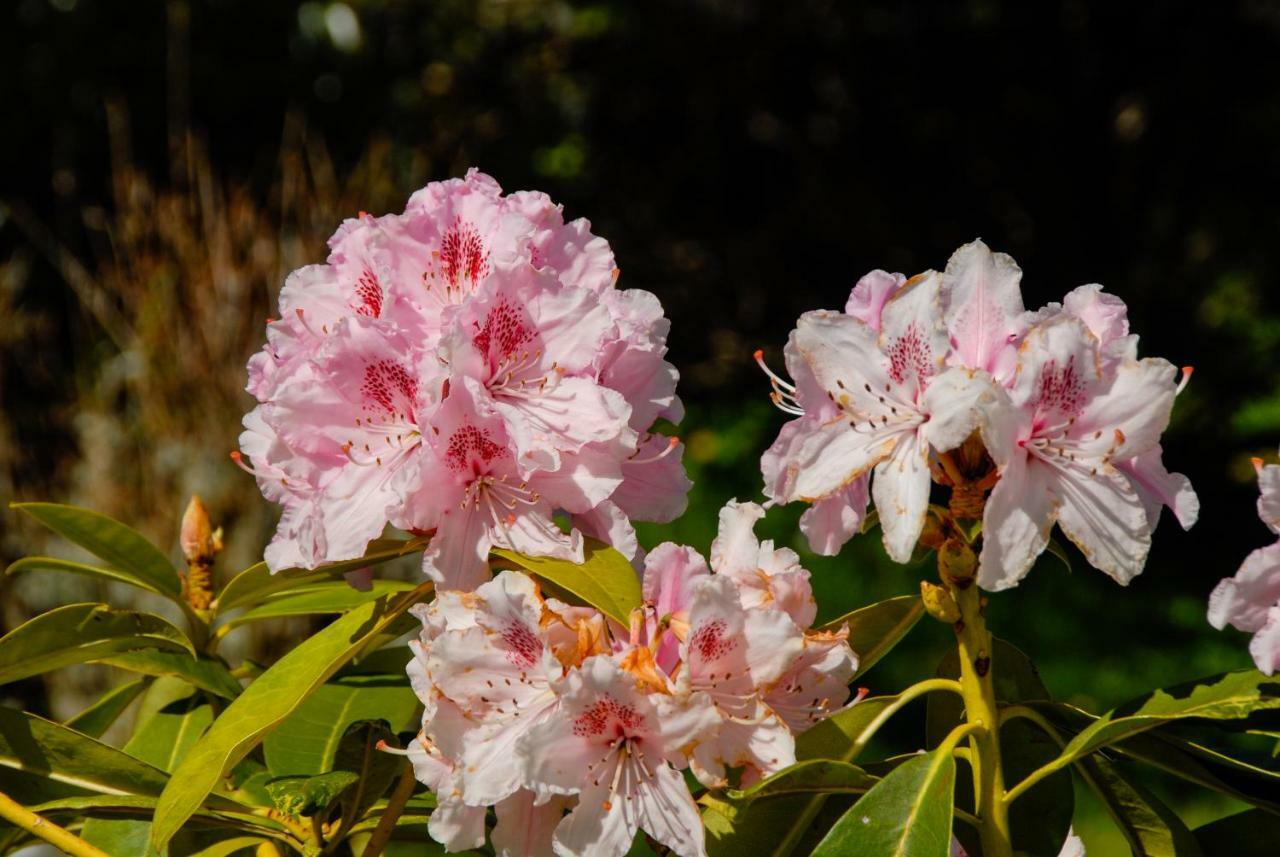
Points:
(605, 580)
(877, 628)
(1230, 696)
(256, 583)
(113, 575)
(1150, 827)
(51, 751)
(834, 737)
(204, 672)
(907, 814)
(98, 717)
(82, 632)
(820, 776)
(134, 559)
(266, 703)
(316, 599)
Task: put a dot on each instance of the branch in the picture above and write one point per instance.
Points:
(395, 806)
(60, 838)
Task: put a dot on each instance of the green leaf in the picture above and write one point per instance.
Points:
(115, 575)
(1150, 827)
(82, 632)
(314, 599)
(307, 741)
(1040, 819)
(817, 776)
(834, 737)
(877, 628)
(298, 796)
(1182, 758)
(1246, 834)
(256, 583)
(907, 814)
(605, 580)
(1230, 696)
(205, 672)
(266, 703)
(98, 717)
(51, 751)
(228, 847)
(134, 559)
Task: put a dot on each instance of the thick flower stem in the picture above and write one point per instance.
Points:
(977, 684)
(63, 840)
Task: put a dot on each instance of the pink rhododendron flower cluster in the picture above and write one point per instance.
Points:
(467, 368)
(1068, 413)
(538, 708)
(1250, 601)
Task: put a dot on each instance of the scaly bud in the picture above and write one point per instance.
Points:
(957, 562)
(196, 535)
(934, 532)
(939, 603)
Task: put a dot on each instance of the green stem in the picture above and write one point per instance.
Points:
(978, 687)
(395, 805)
(60, 838)
(814, 806)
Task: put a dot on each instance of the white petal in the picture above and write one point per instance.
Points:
(985, 305)
(1265, 645)
(457, 826)
(1015, 525)
(736, 549)
(901, 491)
(1269, 501)
(1102, 514)
(1246, 599)
(957, 401)
(525, 828)
(666, 811)
(832, 521)
(1157, 487)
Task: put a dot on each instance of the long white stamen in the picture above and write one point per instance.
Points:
(672, 443)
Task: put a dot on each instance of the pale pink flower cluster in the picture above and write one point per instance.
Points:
(538, 708)
(466, 368)
(1067, 411)
(1250, 601)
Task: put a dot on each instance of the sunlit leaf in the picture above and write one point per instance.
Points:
(267, 702)
(810, 777)
(605, 580)
(134, 559)
(907, 814)
(82, 632)
(315, 599)
(303, 795)
(51, 751)
(204, 672)
(256, 583)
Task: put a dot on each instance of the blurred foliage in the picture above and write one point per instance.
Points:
(166, 163)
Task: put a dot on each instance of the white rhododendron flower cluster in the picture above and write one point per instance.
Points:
(467, 368)
(1250, 601)
(1069, 415)
(576, 729)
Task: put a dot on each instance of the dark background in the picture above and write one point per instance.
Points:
(748, 161)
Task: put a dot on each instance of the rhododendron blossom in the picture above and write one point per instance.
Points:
(467, 368)
(1069, 416)
(1250, 601)
(536, 707)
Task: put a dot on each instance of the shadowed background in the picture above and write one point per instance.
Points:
(164, 165)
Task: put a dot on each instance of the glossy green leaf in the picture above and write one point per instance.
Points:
(818, 776)
(1180, 757)
(605, 580)
(877, 628)
(228, 847)
(204, 672)
(1040, 819)
(114, 575)
(834, 737)
(300, 795)
(98, 717)
(82, 632)
(1150, 827)
(51, 751)
(134, 559)
(316, 599)
(267, 703)
(306, 742)
(1246, 834)
(256, 583)
(1231, 696)
(375, 770)
(170, 719)
(907, 814)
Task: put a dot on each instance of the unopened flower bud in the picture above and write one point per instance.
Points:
(957, 561)
(939, 603)
(934, 532)
(197, 536)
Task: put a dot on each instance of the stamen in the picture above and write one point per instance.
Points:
(1186, 378)
(672, 443)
